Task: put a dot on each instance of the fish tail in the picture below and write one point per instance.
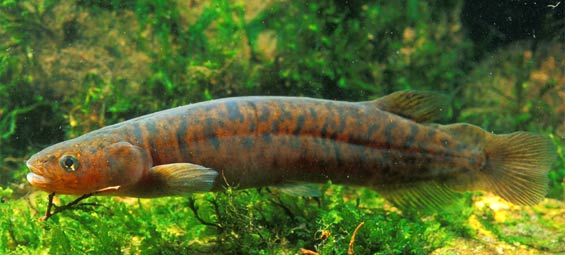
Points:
(516, 166)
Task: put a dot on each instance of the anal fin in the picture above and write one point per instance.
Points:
(421, 196)
(299, 189)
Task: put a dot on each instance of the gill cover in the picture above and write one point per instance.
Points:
(126, 164)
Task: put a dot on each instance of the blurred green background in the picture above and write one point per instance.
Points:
(69, 67)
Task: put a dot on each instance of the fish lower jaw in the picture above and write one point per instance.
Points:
(38, 180)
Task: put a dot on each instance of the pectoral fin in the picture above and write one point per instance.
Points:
(183, 178)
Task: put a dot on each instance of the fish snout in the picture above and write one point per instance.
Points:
(36, 178)
(33, 165)
(29, 163)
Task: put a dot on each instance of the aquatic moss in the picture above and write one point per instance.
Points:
(242, 222)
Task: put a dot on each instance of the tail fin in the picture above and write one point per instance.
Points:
(516, 166)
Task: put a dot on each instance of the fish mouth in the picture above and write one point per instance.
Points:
(35, 179)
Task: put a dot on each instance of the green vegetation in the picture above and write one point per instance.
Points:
(240, 222)
(69, 67)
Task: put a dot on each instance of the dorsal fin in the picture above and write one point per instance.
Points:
(419, 106)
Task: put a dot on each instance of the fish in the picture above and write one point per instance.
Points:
(390, 145)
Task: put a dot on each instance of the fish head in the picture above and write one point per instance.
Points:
(86, 164)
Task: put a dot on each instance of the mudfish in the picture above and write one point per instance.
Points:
(389, 144)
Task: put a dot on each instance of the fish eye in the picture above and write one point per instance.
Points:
(69, 163)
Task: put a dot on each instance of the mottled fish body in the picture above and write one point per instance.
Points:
(275, 141)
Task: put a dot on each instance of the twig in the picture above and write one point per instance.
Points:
(49, 205)
(59, 209)
(350, 250)
(553, 6)
(308, 252)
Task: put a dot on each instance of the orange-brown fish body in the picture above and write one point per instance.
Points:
(260, 141)
(268, 141)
